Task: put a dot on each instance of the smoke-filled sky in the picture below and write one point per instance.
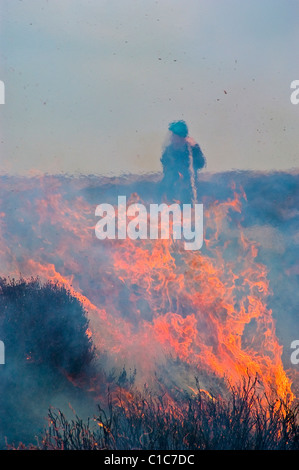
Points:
(90, 86)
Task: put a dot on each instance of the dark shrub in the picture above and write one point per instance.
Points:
(44, 331)
(43, 324)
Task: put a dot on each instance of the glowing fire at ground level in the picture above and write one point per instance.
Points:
(152, 305)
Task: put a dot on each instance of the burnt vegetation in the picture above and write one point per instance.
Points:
(244, 420)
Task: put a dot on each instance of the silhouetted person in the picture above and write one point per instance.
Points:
(181, 160)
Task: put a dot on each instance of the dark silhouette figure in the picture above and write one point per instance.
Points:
(181, 160)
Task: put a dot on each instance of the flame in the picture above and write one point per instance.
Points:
(150, 300)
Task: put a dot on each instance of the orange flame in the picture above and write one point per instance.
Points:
(150, 300)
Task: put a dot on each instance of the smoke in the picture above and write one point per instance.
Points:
(151, 307)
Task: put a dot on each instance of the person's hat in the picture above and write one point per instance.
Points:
(179, 128)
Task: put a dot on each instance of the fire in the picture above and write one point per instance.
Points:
(150, 300)
(202, 303)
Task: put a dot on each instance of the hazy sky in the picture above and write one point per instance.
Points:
(90, 86)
